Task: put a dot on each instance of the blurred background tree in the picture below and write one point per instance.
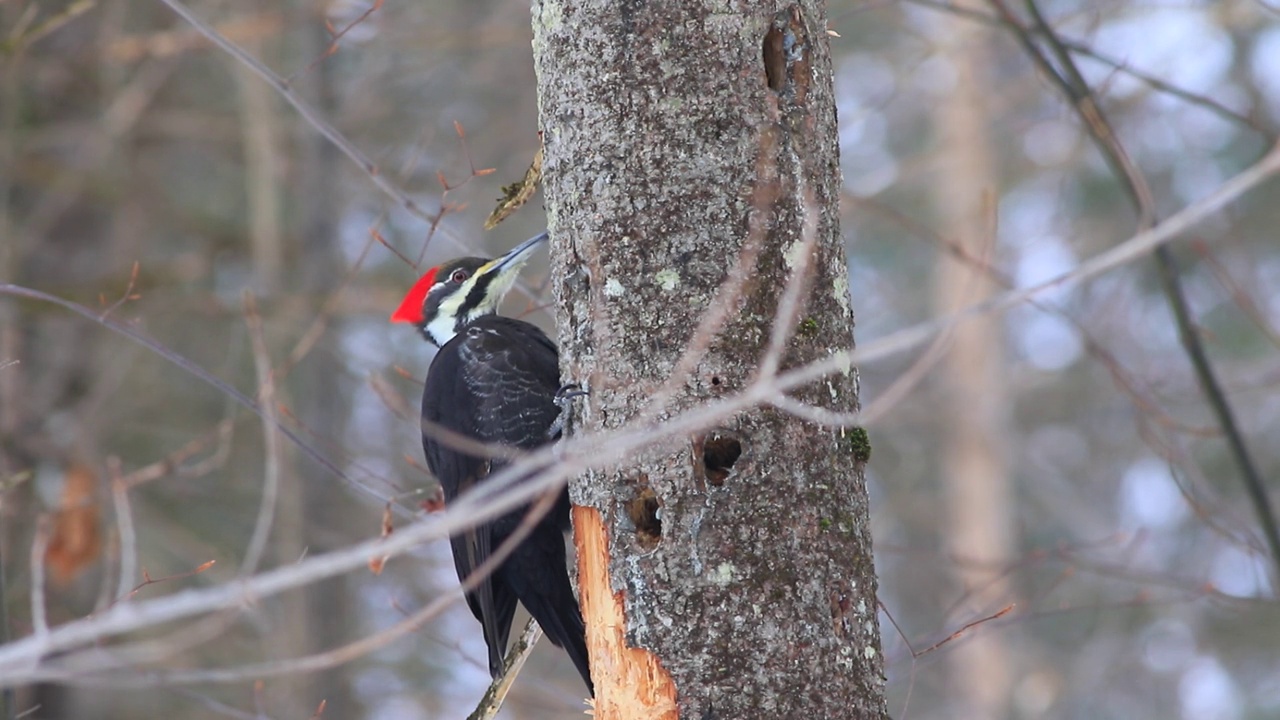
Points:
(1062, 460)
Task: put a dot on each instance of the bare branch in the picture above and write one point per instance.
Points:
(1120, 66)
(271, 441)
(791, 304)
(191, 367)
(124, 524)
(313, 118)
(1073, 85)
(491, 703)
(813, 413)
(39, 545)
(964, 629)
(174, 460)
(19, 660)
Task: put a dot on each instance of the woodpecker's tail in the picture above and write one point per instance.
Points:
(563, 626)
(537, 573)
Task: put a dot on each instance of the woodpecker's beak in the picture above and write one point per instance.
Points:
(497, 276)
(493, 280)
(514, 259)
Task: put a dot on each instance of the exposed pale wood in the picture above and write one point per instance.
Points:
(630, 682)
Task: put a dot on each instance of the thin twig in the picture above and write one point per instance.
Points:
(1247, 303)
(191, 367)
(493, 698)
(148, 581)
(39, 546)
(271, 440)
(329, 658)
(334, 37)
(313, 118)
(791, 303)
(174, 460)
(130, 292)
(966, 628)
(1076, 89)
(763, 199)
(1084, 49)
(124, 526)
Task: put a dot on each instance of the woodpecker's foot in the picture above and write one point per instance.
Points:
(567, 393)
(564, 400)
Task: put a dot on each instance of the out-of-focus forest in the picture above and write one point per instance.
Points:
(1061, 528)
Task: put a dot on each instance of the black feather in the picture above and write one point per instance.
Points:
(496, 382)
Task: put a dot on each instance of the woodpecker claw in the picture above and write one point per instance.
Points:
(568, 392)
(564, 400)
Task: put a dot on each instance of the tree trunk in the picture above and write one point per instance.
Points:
(729, 574)
(973, 452)
(308, 514)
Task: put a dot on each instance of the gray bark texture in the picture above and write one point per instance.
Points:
(674, 131)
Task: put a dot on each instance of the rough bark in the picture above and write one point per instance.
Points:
(673, 131)
(974, 452)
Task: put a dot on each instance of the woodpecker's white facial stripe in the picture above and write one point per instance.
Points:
(441, 330)
(444, 325)
(450, 316)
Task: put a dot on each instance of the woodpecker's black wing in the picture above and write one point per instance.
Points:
(496, 382)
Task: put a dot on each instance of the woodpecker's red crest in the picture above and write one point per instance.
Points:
(410, 310)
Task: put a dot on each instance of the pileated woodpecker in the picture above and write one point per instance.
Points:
(495, 379)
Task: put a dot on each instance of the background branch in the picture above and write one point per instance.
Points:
(1072, 84)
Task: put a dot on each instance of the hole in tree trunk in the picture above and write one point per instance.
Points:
(719, 453)
(643, 510)
(775, 60)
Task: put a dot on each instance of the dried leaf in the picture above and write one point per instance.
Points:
(76, 542)
(435, 503)
(388, 526)
(516, 194)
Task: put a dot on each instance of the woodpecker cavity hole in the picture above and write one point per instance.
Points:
(643, 510)
(775, 59)
(785, 55)
(719, 452)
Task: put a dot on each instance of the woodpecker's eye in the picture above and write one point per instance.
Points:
(459, 276)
